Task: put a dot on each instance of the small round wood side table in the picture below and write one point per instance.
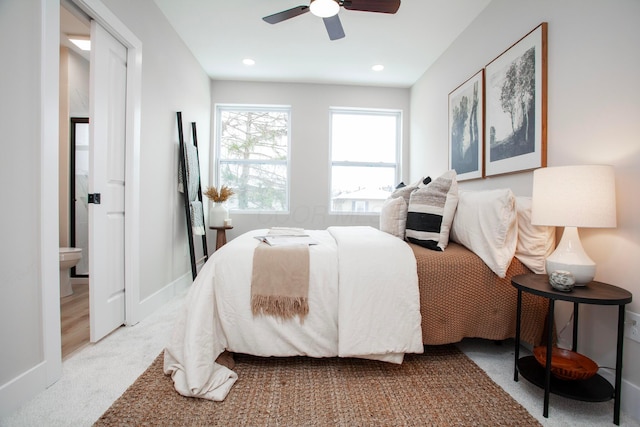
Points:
(594, 389)
(221, 235)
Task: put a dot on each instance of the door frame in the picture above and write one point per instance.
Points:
(49, 142)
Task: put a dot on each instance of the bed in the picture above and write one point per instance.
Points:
(371, 294)
(359, 279)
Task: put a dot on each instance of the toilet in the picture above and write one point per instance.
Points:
(69, 257)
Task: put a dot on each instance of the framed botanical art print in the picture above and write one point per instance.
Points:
(466, 128)
(516, 110)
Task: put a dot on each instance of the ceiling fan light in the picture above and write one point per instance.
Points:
(324, 8)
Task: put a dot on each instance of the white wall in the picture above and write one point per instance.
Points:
(310, 103)
(78, 85)
(20, 173)
(593, 110)
(172, 81)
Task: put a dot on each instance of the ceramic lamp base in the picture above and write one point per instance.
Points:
(570, 256)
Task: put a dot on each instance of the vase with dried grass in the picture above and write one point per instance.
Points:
(218, 212)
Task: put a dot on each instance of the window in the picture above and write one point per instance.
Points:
(252, 152)
(365, 152)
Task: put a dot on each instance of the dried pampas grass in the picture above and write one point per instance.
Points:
(219, 196)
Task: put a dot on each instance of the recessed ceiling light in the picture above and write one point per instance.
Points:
(248, 61)
(377, 67)
(83, 42)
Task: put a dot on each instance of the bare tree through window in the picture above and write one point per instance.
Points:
(253, 152)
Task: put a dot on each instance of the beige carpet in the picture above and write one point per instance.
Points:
(442, 387)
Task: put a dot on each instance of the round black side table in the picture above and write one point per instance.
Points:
(594, 389)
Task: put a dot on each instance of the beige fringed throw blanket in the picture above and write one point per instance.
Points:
(280, 279)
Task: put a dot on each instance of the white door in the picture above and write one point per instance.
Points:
(108, 81)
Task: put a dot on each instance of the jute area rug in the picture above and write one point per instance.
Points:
(442, 387)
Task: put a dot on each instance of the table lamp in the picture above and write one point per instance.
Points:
(572, 197)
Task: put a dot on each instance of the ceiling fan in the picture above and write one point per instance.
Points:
(328, 11)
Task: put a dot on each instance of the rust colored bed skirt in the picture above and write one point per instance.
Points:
(460, 297)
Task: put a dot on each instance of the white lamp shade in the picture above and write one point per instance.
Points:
(576, 196)
(571, 197)
(324, 8)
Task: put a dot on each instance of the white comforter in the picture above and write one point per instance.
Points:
(363, 302)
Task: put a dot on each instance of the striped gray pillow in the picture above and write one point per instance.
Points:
(430, 212)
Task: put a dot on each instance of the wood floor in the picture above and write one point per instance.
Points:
(74, 319)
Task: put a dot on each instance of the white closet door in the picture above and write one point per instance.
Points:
(108, 83)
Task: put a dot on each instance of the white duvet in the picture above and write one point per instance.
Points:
(363, 302)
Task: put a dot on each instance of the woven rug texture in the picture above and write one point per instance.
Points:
(441, 387)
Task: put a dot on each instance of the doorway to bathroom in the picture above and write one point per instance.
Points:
(74, 175)
(74, 308)
(97, 153)
(49, 115)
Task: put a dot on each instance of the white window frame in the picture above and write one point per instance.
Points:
(397, 164)
(219, 108)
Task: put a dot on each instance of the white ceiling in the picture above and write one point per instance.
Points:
(221, 33)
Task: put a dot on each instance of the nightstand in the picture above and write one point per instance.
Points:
(594, 389)
(221, 235)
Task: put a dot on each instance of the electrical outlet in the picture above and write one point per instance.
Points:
(632, 326)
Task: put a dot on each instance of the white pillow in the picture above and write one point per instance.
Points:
(535, 242)
(486, 223)
(431, 210)
(393, 216)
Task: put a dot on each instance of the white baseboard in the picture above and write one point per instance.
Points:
(164, 295)
(630, 399)
(22, 389)
(630, 395)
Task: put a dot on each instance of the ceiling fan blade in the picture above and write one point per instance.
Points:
(334, 27)
(381, 6)
(286, 14)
